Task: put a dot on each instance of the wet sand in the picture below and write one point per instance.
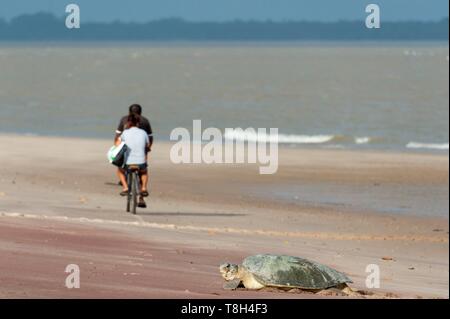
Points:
(61, 206)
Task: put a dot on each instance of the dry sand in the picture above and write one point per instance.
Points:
(59, 205)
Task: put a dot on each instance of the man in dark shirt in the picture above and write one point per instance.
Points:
(143, 124)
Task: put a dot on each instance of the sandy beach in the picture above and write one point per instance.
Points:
(59, 205)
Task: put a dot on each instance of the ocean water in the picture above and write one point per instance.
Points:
(354, 95)
(407, 200)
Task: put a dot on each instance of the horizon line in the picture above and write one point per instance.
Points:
(235, 20)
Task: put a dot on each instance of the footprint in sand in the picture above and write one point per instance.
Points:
(387, 258)
(83, 200)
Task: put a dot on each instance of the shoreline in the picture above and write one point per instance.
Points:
(200, 216)
(364, 148)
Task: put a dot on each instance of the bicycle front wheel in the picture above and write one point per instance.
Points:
(129, 182)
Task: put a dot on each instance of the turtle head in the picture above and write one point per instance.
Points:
(229, 271)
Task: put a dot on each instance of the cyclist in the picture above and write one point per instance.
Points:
(144, 124)
(138, 143)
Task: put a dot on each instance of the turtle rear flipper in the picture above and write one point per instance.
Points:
(232, 284)
(340, 290)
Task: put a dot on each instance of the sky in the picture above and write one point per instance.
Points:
(225, 10)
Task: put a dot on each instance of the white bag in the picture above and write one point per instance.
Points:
(113, 151)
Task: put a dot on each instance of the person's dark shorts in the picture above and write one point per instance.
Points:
(142, 167)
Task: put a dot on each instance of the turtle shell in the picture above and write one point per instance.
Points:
(295, 272)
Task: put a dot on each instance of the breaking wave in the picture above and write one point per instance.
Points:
(416, 145)
(322, 139)
(282, 138)
(296, 139)
(362, 140)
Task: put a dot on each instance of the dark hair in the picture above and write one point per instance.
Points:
(135, 109)
(133, 120)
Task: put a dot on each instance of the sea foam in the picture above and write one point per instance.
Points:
(362, 140)
(435, 146)
(297, 139)
(282, 138)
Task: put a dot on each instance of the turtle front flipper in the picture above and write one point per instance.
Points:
(232, 284)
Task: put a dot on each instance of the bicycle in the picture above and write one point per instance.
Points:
(134, 187)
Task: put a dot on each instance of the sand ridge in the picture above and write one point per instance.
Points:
(311, 235)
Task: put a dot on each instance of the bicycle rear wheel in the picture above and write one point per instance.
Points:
(134, 192)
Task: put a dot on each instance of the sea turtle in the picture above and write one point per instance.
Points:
(285, 272)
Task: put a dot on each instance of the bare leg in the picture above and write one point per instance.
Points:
(144, 179)
(118, 175)
(123, 179)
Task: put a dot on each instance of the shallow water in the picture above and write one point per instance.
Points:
(408, 200)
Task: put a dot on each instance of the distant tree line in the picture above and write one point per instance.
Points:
(43, 26)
